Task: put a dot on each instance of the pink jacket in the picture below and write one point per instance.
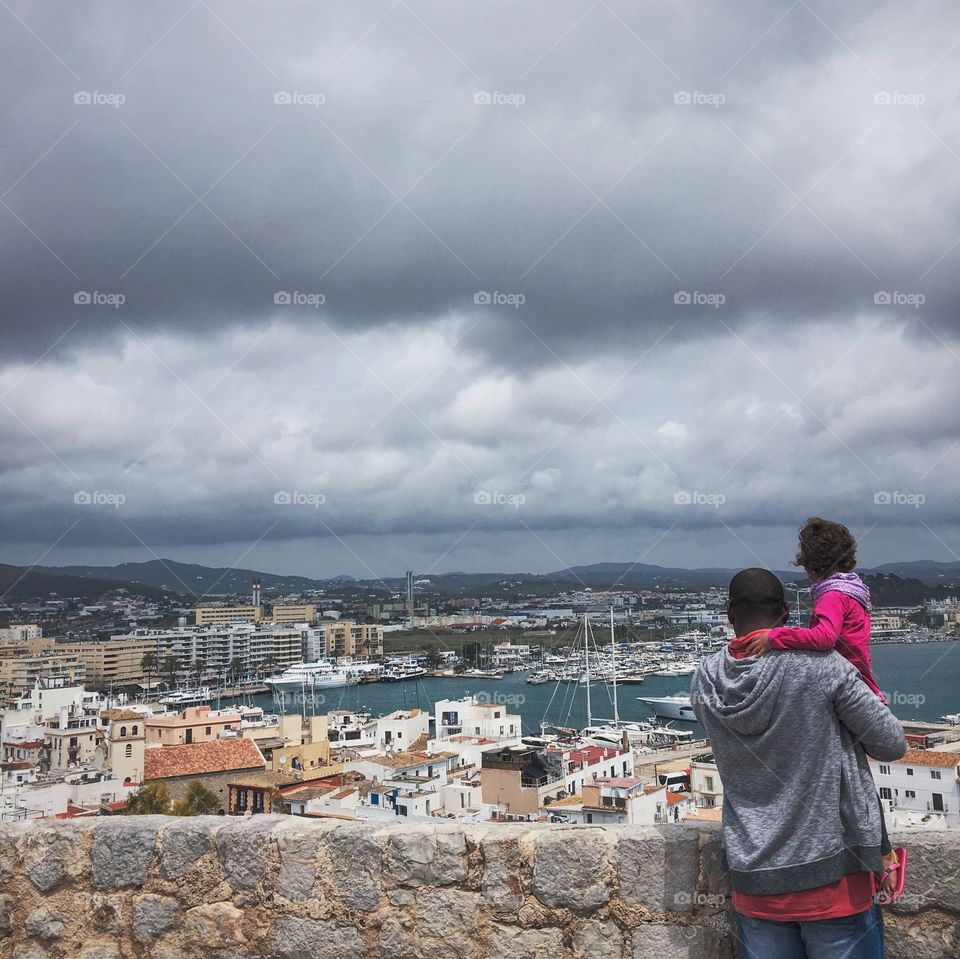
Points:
(838, 622)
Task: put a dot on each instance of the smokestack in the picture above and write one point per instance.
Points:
(410, 594)
(256, 592)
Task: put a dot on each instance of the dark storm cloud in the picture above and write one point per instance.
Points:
(399, 198)
(678, 253)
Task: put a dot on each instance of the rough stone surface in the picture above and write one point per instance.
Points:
(54, 852)
(302, 889)
(152, 916)
(512, 942)
(354, 858)
(184, 841)
(316, 939)
(44, 923)
(658, 868)
(569, 868)
(242, 850)
(598, 940)
(434, 858)
(123, 849)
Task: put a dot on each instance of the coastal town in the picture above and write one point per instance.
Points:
(231, 708)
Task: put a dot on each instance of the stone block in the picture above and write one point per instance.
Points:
(242, 846)
(183, 842)
(354, 858)
(658, 868)
(123, 848)
(502, 867)
(678, 942)
(572, 868)
(54, 852)
(152, 916)
(215, 925)
(598, 940)
(297, 846)
(446, 925)
(425, 856)
(316, 939)
(514, 942)
(46, 923)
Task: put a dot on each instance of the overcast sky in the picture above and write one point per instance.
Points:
(349, 288)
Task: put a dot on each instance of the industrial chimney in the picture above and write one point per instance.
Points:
(256, 593)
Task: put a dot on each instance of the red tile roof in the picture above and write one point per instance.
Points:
(929, 757)
(195, 759)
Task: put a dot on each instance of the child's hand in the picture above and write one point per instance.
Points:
(760, 643)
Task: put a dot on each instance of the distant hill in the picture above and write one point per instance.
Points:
(189, 579)
(925, 570)
(20, 583)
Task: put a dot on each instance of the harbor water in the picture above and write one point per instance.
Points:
(921, 682)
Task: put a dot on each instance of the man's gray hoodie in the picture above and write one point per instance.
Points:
(789, 732)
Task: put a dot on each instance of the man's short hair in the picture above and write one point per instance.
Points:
(756, 590)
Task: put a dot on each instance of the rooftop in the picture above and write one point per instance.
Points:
(929, 757)
(195, 759)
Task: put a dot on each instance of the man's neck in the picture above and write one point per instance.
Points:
(742, 629)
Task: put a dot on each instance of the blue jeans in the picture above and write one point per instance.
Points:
(851, 937)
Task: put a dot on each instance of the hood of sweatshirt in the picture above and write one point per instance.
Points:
(741, 694)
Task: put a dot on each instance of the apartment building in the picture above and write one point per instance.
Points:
(304, 613)
(455, 717)
(922, 786)
(20, 669)
(114, 661)
(705, 785)
(225, 615)
(18, 632)
(122, 744)
(196, 724)
(71, 737)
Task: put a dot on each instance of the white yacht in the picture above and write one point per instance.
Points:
(180, 698)
(311, 677)
(671, 707)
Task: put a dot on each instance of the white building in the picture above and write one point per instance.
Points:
(922, 788)
(469, 716)
(614, 800)
(18, 632)
(402, 728)
(705, 784)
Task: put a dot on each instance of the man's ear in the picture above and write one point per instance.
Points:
(785, 614)
(730, 614)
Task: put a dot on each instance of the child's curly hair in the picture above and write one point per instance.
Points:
(826, 548)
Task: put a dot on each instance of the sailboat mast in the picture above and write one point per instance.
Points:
(586, 657)
(613, 647)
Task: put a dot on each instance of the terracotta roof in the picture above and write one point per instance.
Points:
(120, 714)
(195, 759)
(929, 757)
(575, 800)
(674, 798)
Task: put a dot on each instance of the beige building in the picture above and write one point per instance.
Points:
(115, 661)
(122, 745)
(224, 615)
(196, 724)
(17, 632)
(20, 668)
(347, 638)
(71, 738)
(305, 613)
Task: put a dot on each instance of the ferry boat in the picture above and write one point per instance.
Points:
(401, 672)
(313, 677)
(671, 707)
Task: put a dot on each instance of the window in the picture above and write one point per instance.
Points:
(708, 783)
(208, 730)
(241, 799)
(910, 794)
(884, 770)
(935, 774)
(909, 771)
(885, 792)
(134, 731)
(123, 730)
(128, 751)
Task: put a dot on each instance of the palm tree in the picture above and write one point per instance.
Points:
(170, 667)
(198, 667)
(149, 665)
(236, 668)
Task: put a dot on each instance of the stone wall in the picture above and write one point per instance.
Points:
(292, 888)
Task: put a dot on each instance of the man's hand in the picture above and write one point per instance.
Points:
(760, 643)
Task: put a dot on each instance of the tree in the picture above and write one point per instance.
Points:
(198, 667)
(170, 667)
(150, 800)
(149, 665)
(236, 668)
(198, 801)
